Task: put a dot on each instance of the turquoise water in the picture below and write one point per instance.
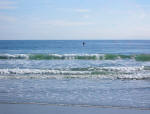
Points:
(105, 73)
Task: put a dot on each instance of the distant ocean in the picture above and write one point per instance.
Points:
(101, 73)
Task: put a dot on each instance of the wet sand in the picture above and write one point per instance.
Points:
(55, 109)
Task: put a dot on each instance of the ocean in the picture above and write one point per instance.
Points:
(113, 73)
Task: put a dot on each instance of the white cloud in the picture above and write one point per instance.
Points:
(143, 6)
(82, 10)
(86, 16)
(142, 15)
(79, 10)
(5, 5)
(5, 18)
(65, 23)
(141, 10)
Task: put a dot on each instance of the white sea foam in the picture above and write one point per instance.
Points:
(14, 56)
(99, 72)
(40, 71)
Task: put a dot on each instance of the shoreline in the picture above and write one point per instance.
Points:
(77, 105)
(39, 108)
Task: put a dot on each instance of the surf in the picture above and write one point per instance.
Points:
(89, 72)
(138, 57)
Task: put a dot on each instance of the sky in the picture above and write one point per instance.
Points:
(74, 19)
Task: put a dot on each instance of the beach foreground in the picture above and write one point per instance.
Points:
(55, 109)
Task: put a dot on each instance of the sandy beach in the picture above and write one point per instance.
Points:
(55, 109)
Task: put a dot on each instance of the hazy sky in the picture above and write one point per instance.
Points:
(74, 19)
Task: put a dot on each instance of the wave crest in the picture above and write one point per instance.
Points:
(141, 57)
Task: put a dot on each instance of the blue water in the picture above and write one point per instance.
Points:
(65, 72)
(75, 47)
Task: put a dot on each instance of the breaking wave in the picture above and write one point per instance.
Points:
(142, 72)
(140, 57)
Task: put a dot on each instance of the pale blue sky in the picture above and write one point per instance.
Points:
(74, 19)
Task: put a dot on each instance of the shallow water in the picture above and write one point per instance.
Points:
(124, 93)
